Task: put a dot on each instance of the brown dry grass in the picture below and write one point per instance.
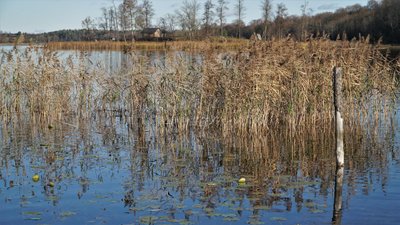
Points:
(145, 45)
(290, 83)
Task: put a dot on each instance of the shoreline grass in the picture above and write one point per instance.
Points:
(146, 45)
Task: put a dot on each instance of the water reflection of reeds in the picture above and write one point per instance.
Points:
(166, 170)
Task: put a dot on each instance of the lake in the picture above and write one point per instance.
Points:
(102, 170)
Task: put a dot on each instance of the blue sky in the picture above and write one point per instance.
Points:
(49, 15)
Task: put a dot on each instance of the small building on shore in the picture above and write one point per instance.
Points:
(149, 33)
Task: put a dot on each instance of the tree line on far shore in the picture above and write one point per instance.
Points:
(123, 20)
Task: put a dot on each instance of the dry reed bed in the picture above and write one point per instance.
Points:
(262, 87)
(290, 83)
(146, 45)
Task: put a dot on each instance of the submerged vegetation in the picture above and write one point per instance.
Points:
(265, 85)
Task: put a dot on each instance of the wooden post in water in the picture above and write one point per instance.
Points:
(337, 96)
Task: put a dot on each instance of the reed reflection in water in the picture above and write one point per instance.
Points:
(107, 170)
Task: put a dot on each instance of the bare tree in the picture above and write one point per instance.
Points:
(167, 23)
(113, 12)
(129, 11)
(148, 12)
(267, 13)
(372, 4)
(112, 18)
(171, 20)
(104, 20)
(123, 19)
(305, 13)
(208, 16)
(239, 9)
(162, 23)
(88, 24)
(221, 14)
(281, 13)
(188, 17)
(140, 19)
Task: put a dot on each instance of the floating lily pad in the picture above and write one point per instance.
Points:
(261, 207)
(91, 202)
(227, 204)
(164, 218)
(228, 215)
(148, 219)
(189, 212)
(154, 210)
(208, 210)
(231, 219)
(52, 198)
(34, 218)
(180, 206)
(242, 186)
(212, 184)
(238, 209)
(309, 204)
(67, 214)
(316, 211)
(137, 209)
(278, 219)
(184, 222)
(100, 196)
(38, 167)
(278, 195)
(32, 213)
(255, 222)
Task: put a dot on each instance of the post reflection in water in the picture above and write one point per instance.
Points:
(337, 206)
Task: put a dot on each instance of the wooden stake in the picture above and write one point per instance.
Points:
(337, 97)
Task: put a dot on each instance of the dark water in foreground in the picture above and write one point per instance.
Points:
(104, 171)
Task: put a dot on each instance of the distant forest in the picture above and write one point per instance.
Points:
(123, 21)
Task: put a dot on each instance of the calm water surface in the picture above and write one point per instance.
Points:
(104, 171)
